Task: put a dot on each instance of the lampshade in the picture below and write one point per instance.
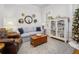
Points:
(9, 25)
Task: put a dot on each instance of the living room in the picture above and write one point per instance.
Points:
(26, 22)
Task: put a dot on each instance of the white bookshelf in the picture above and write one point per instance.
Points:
(58, 28)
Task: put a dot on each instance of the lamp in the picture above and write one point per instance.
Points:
(9, 26)
(43, 27)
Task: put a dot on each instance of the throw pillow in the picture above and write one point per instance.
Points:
(38, 28)
(21, 30)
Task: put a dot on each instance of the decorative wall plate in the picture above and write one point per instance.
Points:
(22, 14)
(28, 19)
(35, 20)
(21, 20)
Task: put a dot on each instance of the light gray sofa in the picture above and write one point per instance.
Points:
(29, 31)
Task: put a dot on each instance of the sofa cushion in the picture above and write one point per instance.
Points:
(33, 33)
(21, 30)
(28, 29)
(34, 29)
(30, 33)
(25, 35)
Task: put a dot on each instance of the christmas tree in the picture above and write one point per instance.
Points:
(75, 30)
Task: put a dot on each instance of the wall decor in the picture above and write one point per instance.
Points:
(21, 20)
(22, 14)
(28, 19)
(35, 20)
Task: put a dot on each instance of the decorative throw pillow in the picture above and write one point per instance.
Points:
(21, 30)
(38, 28)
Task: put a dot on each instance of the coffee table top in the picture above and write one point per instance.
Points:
(35, 36)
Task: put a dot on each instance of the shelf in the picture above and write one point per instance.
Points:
(59, 28)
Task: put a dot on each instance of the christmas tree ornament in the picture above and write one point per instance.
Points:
(76, 35)
(75, 28)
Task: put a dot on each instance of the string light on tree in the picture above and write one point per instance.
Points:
(75, 30)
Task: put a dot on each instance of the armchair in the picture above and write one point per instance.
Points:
(12, 41)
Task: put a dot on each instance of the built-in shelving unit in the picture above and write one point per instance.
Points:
(53, 30)
(58, 28)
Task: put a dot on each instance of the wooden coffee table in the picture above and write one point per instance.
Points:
(38, 40)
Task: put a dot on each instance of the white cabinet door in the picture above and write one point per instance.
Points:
(59, 28)
(53, 28)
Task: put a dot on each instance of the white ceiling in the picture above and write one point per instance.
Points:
(41, 5)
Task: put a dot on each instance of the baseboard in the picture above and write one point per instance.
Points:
(57, 39)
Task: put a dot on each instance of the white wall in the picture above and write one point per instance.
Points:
(57, 10)
(1, 16)
(13, 13)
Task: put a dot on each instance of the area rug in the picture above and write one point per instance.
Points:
(53, 46)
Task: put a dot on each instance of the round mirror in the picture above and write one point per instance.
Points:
(28, 19)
